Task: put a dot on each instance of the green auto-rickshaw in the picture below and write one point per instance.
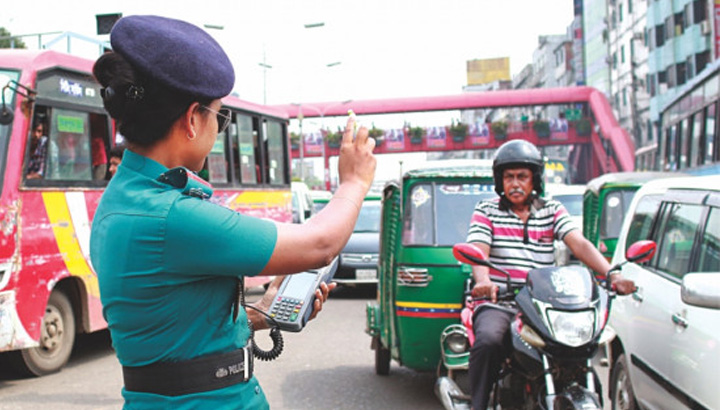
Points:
(605, 203)
(420, 283)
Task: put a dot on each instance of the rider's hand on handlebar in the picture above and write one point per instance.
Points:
(485, 289)
(623, 286)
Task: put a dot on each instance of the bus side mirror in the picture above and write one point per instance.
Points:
(6, 115)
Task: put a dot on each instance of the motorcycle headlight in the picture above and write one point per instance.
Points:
(572, 328)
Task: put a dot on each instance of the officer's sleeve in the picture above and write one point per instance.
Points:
(203, 238)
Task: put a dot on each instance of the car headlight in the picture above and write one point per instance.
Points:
(572, 328)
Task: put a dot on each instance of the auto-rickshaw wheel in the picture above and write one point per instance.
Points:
(382, 359)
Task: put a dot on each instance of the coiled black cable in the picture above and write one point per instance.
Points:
(275, 334)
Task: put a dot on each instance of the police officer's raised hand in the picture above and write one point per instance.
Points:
(357, 162)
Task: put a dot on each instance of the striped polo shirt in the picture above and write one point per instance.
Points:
(511, 246)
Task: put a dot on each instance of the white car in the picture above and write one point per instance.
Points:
(667, 351)
(571, 196)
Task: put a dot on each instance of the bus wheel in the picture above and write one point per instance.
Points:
(56, 340)
(382, 360)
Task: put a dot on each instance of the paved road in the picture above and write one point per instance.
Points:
(329, 365)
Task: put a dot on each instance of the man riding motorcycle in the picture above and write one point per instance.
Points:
(517, 231)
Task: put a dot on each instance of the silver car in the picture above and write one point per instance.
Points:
(359, 259)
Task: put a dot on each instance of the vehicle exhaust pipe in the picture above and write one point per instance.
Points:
(450, 394)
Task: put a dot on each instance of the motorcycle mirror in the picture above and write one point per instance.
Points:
(470, 254)
(641, 251)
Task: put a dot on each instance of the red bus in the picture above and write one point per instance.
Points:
(48, 288)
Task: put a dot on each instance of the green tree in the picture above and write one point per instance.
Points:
(6, 42)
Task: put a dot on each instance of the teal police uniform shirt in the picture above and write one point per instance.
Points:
(167, 266)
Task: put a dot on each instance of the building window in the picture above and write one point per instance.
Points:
(681, 73)
(614, 59)
(701, 60)
(669, 27)
(620, 12)
(624, 97)
(679, 25)
(699, 11)
(630, 8)
(622, 54)
(650, 81)
(659, 35)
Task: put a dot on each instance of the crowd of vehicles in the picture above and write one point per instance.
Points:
(49, 292)
(418, 320)
(48, 288)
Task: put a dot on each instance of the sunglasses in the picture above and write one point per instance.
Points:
(223, 117)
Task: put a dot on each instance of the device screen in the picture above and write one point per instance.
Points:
(298, 285)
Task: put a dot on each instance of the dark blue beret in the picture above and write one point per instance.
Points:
(176, 53)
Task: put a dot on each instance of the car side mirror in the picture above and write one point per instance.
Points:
(701, 289)
(641, 251)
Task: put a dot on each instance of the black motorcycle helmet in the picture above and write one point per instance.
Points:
(518, 153)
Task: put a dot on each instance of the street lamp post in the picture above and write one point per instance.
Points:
(265, 66)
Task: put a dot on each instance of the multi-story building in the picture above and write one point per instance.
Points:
(596, 34)
(681, 43)
(628, 58)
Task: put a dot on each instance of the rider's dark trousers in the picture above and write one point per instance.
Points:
(492, 345)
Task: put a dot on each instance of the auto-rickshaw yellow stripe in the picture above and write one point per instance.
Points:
(64, 230)
(429, 305)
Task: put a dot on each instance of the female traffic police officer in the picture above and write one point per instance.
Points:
(168, 261)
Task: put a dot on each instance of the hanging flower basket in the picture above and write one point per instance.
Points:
(583, 128)
(294, 141)
(499, 129)
(458, 131)
(541, 128)
(416, 135)
(334, 138)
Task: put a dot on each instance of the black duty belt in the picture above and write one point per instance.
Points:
(198, 375)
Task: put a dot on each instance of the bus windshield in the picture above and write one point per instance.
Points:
(8, 99)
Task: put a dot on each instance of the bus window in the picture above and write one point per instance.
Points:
(244, 149)
(707, 148)
(99, 145)
(694, 141)
(682, 140)
(68, 155)
(670, 148)
(216, 161)
(275, 144)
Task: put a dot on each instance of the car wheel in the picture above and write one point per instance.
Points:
(382, 360)
(57, 337)
(621, 389)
